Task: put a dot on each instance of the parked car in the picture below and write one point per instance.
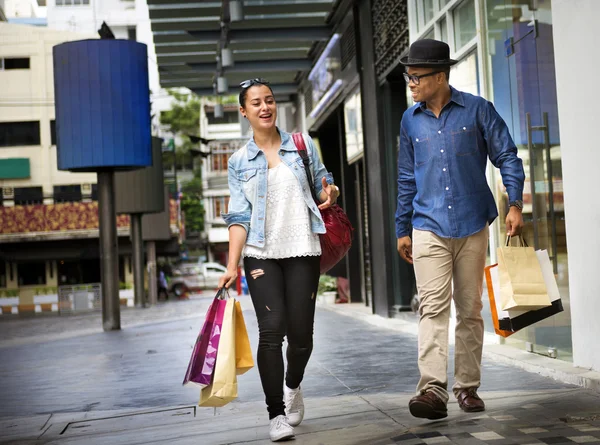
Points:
(192, 277)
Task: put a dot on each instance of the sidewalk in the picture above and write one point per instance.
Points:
(124, 387)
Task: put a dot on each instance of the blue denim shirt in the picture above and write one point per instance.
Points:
(442, 184)
(247, 176)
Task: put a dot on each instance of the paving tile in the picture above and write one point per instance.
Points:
(583, 439)
(556, 440)
(428, 434)
(504, 418)
(457, 436)
(404, 437)
(534, 430)
(487, 435)
(439, 439)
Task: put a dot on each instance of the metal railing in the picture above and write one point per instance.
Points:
(79, 298)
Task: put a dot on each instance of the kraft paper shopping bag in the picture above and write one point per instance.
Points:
(522, 285)
(223, 388)
(508, 322)
(243, 353)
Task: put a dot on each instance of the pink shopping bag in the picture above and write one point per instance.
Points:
(204, 355)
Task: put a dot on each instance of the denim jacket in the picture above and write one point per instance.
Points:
(247, 176)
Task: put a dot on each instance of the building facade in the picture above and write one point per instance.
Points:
(48, 218)
(127, 19)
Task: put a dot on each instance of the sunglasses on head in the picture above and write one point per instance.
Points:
(250, 82)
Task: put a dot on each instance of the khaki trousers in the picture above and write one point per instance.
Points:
(446, 269)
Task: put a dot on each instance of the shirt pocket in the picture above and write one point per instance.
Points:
(422, 149)
(464, 140)
(248, 179)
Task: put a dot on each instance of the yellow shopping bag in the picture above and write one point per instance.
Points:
(522, 285)
(223, 388)
(243, 354)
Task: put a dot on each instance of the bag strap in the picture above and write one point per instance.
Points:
(519, 237)
(301, 148)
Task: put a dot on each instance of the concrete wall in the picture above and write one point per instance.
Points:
(575, 23)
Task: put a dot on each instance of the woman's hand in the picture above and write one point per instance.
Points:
(331, 192)
(228, 278)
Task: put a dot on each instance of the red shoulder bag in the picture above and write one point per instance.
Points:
(337, 240)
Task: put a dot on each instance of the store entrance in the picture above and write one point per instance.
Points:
(523, 89)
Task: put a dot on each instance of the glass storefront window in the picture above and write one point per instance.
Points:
(429, 35)
(353, 127)
(522, 85)
(465, 24)
(464, 75)
(443, 3)
(428, 10)
(444, 30)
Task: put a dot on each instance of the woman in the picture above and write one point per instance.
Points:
(275, 224)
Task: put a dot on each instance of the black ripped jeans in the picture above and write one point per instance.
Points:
(284, 296)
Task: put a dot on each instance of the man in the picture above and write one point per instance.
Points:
(445, 140)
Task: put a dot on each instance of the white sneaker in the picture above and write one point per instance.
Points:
(294, 405)
(280, 429)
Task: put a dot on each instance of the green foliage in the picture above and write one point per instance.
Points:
(225, 100)
(184, 115)
(191, 204)
(49, 290)
(123, 286)
(326, 284)
(182, 119)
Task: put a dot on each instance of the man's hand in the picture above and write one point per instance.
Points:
(331, 191)
(514, 221)
(405, 249)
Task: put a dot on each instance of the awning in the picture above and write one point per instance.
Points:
(275, 39)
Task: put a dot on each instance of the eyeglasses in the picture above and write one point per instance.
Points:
(417, 79)
(258, 81)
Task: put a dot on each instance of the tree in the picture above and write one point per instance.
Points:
(191, 204)
(183, 119)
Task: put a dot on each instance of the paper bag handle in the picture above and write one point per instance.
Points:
(220, 293)
(519, 237)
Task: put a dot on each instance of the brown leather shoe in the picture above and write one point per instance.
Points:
(469, 401)
(428, 406)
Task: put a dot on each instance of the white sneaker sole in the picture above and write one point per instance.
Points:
(282, 437)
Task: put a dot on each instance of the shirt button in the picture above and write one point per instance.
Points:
(439, 131)
(449, 207)
(442, 150)
(417, 139)
(447, 188)
(444, 169)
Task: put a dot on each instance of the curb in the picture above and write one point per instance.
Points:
(558, 370)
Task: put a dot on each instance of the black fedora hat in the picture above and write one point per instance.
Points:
(428, 52)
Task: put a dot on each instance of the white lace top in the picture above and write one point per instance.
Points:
(287, 220)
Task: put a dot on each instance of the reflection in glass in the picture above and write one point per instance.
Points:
(465, 25)
(464, 75)
(428, 10)
(523, 88)
(429, 35)
(444, 30)
(353, 127)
